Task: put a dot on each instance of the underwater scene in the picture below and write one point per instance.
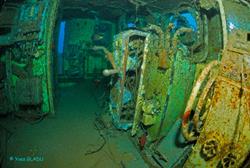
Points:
(124, 83)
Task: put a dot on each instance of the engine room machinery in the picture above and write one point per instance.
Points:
(179, 75)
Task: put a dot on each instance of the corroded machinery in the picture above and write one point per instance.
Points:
(182, 86)
(179, 73)
(221, 117)
(26, 30)
(26, 56)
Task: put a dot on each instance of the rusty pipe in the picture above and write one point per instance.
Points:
(189, 136)
(201, 102)
(108, 55)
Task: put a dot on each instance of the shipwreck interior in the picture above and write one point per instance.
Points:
(124, 83)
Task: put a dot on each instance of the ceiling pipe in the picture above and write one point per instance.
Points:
(224, 23)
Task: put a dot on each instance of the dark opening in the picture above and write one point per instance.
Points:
(248, 36)
(5, 30)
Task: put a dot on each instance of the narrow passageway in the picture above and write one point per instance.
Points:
(71, 139)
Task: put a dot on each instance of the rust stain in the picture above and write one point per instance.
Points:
(186, 117)
(217, 95)
(234, 98)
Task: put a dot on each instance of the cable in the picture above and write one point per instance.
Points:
(101, 135)
(31, 118)
(98, 123)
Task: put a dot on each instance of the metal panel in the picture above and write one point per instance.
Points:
(224, 139)
(29, 91)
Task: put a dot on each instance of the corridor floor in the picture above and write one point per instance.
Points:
(63, 141)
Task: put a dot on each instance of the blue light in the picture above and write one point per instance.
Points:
(61, 46)
(131, 25)
(61, 37)
(231, 26)
(191, 20)
(172, 19)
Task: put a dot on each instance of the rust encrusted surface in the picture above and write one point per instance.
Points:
(228, 116)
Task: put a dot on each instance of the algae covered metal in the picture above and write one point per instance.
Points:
(177, 71)
(184, 72)
(224, 137)
(29, 57)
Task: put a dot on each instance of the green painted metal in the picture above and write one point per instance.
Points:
(43, 64)
(184, 75)
(178, 91)
(237, 16)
